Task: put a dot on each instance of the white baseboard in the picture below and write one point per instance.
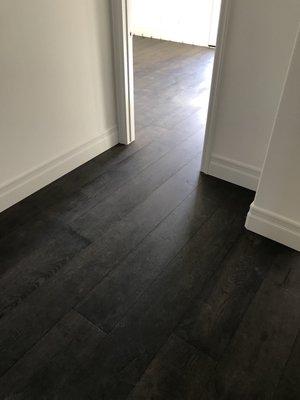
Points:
(234, 171)
(31, 181)
(274, 226)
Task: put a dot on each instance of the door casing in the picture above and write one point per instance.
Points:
(123, 66)
(123, 60)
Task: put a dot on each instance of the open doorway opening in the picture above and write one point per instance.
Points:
(152, 76)
(173, 44)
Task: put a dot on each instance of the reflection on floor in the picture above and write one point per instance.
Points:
(172, 84)
(133, 276)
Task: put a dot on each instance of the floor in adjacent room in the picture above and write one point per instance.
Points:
(133, 277)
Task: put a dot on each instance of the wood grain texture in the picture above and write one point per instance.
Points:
(289, 385)
(261, 346)
(178, 372)
(215, 316)
(44, 370)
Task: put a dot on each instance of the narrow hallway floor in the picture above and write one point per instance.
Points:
(133, 276)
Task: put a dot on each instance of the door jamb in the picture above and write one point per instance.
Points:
(123, 60)
(123, 66)
(215, 86)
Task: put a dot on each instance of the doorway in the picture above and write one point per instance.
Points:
(171, 90)
(164, 82)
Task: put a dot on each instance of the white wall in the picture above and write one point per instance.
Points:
(275, 212)
(257, 52)
(57, 107)
(188, 21)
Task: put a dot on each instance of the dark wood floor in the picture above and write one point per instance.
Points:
(133, 277)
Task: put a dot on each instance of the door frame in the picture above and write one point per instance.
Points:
(215, 86)
(123, 62)
(123, 66)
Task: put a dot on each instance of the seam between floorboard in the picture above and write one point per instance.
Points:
(162, 272)
(236, 332)
(285, 365)
(76, 304)
(100, 330)
(165, 265)
(139, 173)
(135, 247)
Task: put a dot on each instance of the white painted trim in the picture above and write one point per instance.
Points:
(215, 86)
(234, 171)
(29, 182)
(274, 226)
(123, 66)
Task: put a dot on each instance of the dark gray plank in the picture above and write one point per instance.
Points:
(70, 204)
(32, 255)
(46, 367)
(96, 221)
(178, 372)
(111, 299)
(73, 196)
(45, 306)
(125, 354)
(214, 318)
(289, 385)
(254, 362)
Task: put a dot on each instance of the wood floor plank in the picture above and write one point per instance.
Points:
(125, 354)
(69, 205)
(73, 196)
(254, 362)
(289, 385)
(45, 369)
(178, 372)
(32, 255)
(95, 222)
(111, 299)
(45, 306)
(216, 314)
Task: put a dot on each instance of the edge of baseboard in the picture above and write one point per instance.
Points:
(274, 226)
(234, 171)
(26, 184)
